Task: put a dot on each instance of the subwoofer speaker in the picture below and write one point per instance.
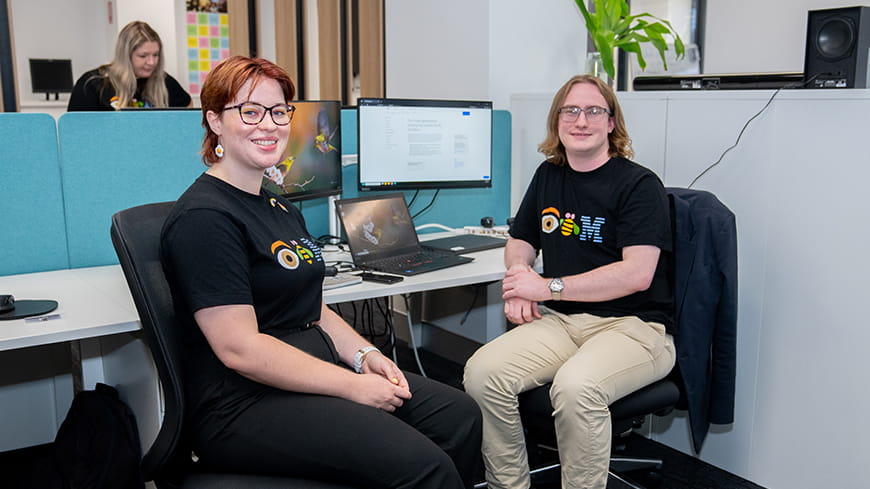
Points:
(838, 46)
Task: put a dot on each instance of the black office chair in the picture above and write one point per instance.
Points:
(136, 237)
(704, 229)
(626, 414)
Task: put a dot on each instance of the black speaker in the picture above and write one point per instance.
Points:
(838, 43)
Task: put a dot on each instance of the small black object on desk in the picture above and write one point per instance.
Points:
(382, 278)
(7, 302)
(12, 309)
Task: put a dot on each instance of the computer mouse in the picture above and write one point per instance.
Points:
(7, 302)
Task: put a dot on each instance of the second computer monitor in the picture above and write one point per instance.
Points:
(312, 167)
(407, 144)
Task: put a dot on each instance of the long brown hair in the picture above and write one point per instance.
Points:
(619, 142)
(223, 84)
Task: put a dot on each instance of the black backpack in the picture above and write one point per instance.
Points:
(97, 445)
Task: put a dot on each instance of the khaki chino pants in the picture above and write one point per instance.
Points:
(591, 361)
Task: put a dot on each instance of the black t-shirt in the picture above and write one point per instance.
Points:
(93, 92)
(583, 220)
(222, 246)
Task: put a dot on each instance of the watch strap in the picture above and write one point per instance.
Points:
(360, 356)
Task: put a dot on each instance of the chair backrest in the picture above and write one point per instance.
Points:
(136, 238)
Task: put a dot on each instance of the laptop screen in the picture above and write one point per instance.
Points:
(377, 227)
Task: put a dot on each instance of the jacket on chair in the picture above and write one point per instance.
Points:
(705, 293)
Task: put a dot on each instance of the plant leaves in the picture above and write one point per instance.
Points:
(611, 26)
(606, 52)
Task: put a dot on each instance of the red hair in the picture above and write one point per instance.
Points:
(223, 84)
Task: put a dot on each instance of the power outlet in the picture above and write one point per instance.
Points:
(500, 231)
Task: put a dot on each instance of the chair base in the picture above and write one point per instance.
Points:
(618, 466)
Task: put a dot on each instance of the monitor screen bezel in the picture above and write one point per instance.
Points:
(64, 65)
(411, 184)
(334, 141)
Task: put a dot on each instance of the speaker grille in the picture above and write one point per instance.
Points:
(836, 38)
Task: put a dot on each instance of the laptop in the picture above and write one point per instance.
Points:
(381, 237)
(466, 243)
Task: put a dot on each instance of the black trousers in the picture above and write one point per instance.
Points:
(432, 441)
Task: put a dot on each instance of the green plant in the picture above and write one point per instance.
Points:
(611, 26)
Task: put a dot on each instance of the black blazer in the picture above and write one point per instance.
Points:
(705, 292)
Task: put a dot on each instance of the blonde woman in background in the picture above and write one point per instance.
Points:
(135, 78)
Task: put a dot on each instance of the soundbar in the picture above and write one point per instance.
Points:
(738, 81)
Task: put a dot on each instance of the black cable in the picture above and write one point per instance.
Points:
(387, 314)
(740, 135)
(414, 197)
(328, 239)
(473, 302)
(431, 202)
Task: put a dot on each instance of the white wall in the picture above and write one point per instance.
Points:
(440, 49)
(86, 31)
(59, 29)
(163, 16)
(481, 49)
(745, 36)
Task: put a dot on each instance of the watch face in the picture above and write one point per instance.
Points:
(556, 285)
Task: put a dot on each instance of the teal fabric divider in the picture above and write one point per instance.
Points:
(32, 236)
(454, 208)
(111, 161)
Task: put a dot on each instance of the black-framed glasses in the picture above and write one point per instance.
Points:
(593, 113)
(253, 113)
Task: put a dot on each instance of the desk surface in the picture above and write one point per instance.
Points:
(488, 266)
(91, 302)
(95, 302)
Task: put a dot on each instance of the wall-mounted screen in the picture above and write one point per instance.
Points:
(51, 76)
(312, 168)
(414, 144)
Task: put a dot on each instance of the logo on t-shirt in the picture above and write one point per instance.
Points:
(586, 228)
(274, 202)
(291, 256)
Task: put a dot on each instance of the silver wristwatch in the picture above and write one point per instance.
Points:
(556, 287)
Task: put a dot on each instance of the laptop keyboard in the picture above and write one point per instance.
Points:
(402, 262)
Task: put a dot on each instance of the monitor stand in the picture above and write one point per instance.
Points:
(334, 223)
(56, 96)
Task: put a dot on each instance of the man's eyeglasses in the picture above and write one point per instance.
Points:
(593, 113)
(253, 113)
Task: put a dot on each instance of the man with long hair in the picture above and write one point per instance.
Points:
(604, 328)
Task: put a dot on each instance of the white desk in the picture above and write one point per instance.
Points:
(488, 265)
(445, 308)
(92, 302)
(98, 321)
(41, 360)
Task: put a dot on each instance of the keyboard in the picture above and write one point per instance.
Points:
(424, 260)
(412, 259)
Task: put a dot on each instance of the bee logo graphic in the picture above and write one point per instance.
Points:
(569, 227)
(550, 219)
(285, 255)
(304, 253)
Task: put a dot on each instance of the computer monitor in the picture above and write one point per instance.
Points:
(409, 144)
(51, 76)
(312, 168)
